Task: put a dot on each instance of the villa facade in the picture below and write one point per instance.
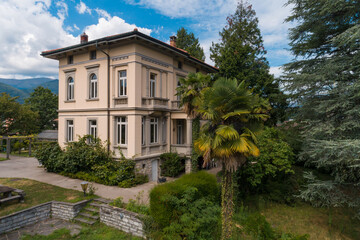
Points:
(122, 89)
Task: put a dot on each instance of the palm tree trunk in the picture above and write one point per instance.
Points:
(227, 204)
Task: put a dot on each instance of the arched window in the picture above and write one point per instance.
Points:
(70, 88)
(93, 86)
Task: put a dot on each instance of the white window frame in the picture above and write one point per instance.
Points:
(93, 86)
(121, 121)
(69, 130)
(70, 88)
(152, 85)
(122, 82)
(180, 132)
(154, 130)
(143, 131)
(93, 128)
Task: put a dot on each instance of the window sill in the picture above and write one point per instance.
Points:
(120, 146)
(70, 101)
(121, 97)
(92, 99)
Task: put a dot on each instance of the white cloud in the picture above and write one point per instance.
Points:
(112, 26)
(62, 9)
(82, 8)
(102, 13)
(28, 28)
(276, 71)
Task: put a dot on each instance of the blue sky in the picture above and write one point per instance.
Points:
(31, 26)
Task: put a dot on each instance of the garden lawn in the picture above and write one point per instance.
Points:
(2, 159)
(37, 193)
(95, 232)
(318, 223)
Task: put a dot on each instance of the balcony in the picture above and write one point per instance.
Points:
(155, 102)
(175, 105)
(183, 149)
(120, 101)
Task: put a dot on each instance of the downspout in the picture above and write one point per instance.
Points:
(108, 95)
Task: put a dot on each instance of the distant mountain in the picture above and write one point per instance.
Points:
(14, 92)
(23, 87)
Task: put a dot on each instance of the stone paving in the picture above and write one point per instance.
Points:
(45, 227)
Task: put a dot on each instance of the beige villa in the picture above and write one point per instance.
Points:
(122, 89)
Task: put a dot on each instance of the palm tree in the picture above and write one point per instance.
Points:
(233, 115)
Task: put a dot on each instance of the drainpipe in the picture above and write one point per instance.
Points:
(108, 96)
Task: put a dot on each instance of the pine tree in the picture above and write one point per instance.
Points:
(187, 41)
(241, 54)
(324, 81)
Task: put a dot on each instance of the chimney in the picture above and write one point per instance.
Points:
(173, 41)
(135, 29)
(84, 38)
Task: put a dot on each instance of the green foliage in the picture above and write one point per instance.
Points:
(171, 164)
(241, 54)
(162, 209)
(276, 157)
(16, 118)
(90, 162)
(198, 218)
(118, 202)
(135, 206)
(324, 81)
(45, 103)
(187, 41)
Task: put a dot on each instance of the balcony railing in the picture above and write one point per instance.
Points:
(120, 101)
(155, 102)
(175, 104)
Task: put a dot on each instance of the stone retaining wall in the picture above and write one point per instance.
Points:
(66, 211)
(25, 217)
(122, 219)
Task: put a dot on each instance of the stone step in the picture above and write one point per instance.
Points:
(95, 205)
(102, 200)
(89, 215)
(91, 209)
(84, 220)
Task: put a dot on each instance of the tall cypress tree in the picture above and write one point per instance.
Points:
(187, 41)
(241, 54)
(324, 82)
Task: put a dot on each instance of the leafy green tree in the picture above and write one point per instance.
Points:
(16, 118)
(324, 81)
(187, 41)
(45, 102)
(240, 54)
(233, 117)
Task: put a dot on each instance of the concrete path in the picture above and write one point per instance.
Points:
(23, 167)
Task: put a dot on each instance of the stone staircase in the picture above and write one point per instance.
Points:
(90, 213)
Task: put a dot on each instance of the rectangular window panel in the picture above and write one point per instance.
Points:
(154, 130)
(164, 125)
(143, 131)
(93, 128)
(70, 131)
(121, 130)
(122, 83)
(152, 84)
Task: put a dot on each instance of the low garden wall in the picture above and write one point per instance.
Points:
(62, 210)
(122, 219)
(25, 217)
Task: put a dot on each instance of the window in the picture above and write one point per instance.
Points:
(197, 70)
(143, 130)
(164, 124)
(70, 59)
(92, 55)
(122, 83)
(93, 86)
(121, 130)
(152, 84)
(70, 130)
(180, 65)
(178, 97)
(153, 130)
(93, 128)
(70, 88)
(180, 127)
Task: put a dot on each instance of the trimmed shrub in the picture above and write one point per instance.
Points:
(161, 207)
(50, 155)
(172, 165)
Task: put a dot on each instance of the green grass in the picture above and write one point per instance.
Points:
(95, 232)
(3, 159)
(302, 218)
(37, 193)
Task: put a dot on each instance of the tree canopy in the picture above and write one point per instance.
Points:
(324, 81)
(45, 102)
(187, 41)
(16, 118)
(241, 54)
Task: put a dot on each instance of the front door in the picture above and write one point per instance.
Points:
(154, 170)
